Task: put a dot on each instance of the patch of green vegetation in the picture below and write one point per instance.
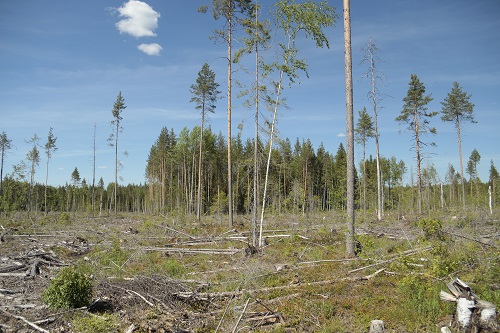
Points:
(432, 228)
(105, 323)
(419, 300)
(71, 288)
(64, 219)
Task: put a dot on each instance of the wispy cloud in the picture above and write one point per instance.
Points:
(340, 135)
(152, 49)
(140, 19)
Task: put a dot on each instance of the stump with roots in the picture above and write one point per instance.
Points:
(472, 314)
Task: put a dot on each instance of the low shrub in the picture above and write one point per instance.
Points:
(71, 288)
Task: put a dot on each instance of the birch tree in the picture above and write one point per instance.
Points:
(50, 147)
(118, 108)
(292, 18)
(458, 109)
(416, 116)
(205, 94)
(256, 39)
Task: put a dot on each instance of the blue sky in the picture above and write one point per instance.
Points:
(62, 64)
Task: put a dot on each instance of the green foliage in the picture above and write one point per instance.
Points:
(220, 204)
(420, 299)
(432, 228)
(64, 218)
(157, 263)
(105, 323)
(71, 288)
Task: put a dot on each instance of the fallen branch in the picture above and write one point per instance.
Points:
(191, 251)
(403, 254)
(140, 296)
(471, 239)
(177, 231)
(35, 326)
(241, 315)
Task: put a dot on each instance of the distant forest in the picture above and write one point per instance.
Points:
(301, 180)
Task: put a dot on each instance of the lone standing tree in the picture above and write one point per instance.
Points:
(50, 147)
(457, 109)
(234, 13)
(205, 95)
(416, 116)
(349, 108)
(5, 144)
(113, 137)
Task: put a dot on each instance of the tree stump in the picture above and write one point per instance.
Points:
(472, 314)
(377, 326)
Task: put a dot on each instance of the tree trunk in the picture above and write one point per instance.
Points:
(349, 130)
(457, 124)
(419, 160)
(198, 206)
(229, 161)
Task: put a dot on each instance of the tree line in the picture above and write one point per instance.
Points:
(302, 180)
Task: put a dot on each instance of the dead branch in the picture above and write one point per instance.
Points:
(140, 296)
(190, 251)
(35, 326)
(223, 294)
(241, 315)
(177, 231)
(402, 254)
(471, 239)
(12, 274)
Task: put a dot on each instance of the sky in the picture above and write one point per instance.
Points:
(63, 63)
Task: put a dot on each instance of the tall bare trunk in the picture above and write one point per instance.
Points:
(419, 175)
(349, 130)
(229, 160)
(457, 124)
(198, 208)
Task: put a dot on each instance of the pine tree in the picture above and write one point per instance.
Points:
(416, 116)
(458, 109)
(50, 147)
(118, 108)
(234, 13)
(205, 94)
(33, 156)
(349, 129)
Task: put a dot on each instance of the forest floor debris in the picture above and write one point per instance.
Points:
(152, 275)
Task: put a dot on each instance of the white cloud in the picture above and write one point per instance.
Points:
(140, 19)
(340, 135)
(150, 49)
